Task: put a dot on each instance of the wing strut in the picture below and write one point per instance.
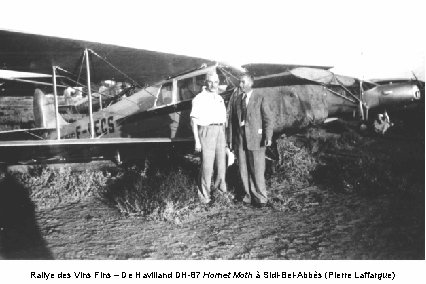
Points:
(55, 95)
(89, 93)
(361, 101)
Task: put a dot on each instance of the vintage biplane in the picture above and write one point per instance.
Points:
(129, 104)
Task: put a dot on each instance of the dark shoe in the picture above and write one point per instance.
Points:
(241, 203)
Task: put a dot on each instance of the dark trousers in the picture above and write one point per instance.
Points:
(252, 172)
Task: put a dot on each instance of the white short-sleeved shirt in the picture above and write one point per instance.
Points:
(208, 108)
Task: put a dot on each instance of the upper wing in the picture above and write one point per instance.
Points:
(19, 83)
(264, 69)
(36, 53)
(11, 75)
(303, 76)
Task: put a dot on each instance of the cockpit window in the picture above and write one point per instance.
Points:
(200, 81)
(166, 95)
(187, 89)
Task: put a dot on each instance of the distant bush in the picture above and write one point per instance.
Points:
(166, 195)
(289, 177)
(51, 187)
(293, 167)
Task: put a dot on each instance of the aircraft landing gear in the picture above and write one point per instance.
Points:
(117, 158)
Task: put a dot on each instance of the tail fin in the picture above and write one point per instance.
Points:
(44, 111)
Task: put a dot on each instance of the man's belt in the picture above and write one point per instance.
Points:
(216, 124)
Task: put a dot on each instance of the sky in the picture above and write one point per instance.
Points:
(363, 39)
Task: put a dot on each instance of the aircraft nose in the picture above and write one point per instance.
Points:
(416, 93)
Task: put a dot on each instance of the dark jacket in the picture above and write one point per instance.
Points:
(259, 121)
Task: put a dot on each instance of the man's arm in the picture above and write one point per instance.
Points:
(196, 135)
(229, 114)
(268, 121)
(195, 113)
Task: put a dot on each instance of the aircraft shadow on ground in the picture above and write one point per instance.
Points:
(20, 236)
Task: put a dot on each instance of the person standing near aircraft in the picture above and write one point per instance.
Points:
(208, 117)
(250, 129)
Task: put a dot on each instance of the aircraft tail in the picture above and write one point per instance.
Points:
(44, 111)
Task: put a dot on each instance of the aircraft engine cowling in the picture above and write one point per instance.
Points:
(391, 94)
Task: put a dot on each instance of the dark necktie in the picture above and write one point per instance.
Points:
(243, 107)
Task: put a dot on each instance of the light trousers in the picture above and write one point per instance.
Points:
(212, 139)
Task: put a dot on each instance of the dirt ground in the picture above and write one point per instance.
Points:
(338, 225)
(342, 227)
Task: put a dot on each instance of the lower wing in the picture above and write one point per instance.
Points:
(72, 150)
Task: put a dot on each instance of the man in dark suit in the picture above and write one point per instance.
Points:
(249, 132)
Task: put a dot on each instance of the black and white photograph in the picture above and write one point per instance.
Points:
(212, 130)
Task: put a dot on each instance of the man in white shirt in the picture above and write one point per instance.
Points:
(208, 121)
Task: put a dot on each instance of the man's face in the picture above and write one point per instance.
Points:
(246, 84)
(212, 84)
